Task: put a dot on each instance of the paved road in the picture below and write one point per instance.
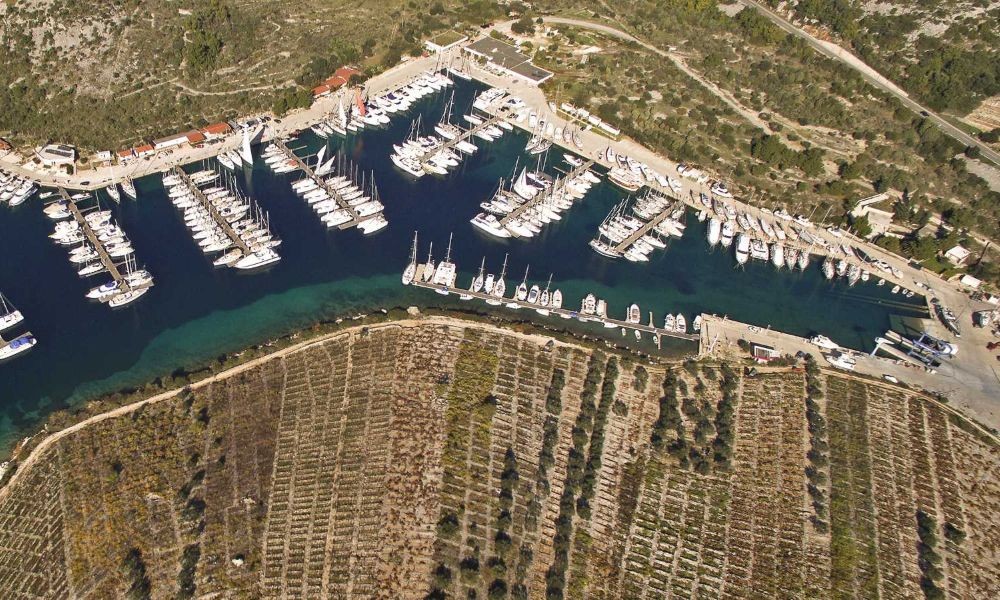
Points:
(877, 81)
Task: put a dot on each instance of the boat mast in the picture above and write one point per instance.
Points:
(413, 251)
(447, 254)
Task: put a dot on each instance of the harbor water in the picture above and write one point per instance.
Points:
(196, 312)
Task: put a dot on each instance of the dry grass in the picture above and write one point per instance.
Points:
(376, 465)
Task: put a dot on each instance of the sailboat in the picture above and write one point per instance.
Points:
(9, 316)
(499, 285)
(521, 294)
(411, 267)
(129, 188)
(544, 299)
(113, 192)
(245, 153)
(339, 123)
(477, 283)
(429, 265)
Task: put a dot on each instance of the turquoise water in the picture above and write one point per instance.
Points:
(196, 312)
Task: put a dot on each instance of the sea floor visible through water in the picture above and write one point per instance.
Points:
(196, 312)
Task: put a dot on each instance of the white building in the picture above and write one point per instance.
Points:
(56, 154)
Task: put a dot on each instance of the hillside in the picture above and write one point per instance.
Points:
(945, 52)
(447, 459)
(139, 69)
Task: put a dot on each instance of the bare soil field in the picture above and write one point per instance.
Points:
(442, 460)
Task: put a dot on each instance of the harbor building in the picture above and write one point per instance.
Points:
(506, 59)
(339, 79)
(216, 130)
(170, 141)
(195, 137)
(54, 155)
(958, 255)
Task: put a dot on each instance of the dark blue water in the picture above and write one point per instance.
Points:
(196, 312)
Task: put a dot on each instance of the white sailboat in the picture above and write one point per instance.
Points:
(545, 299)
(477, 283)
(9, 316)
(113, 192)
(411, 267)
(499, 285)
(128, 186)
(245, 153)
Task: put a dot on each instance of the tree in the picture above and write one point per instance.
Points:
(921, 248)
(959, 217)
(523, 26)
(861, 226)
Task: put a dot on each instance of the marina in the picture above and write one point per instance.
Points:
(325, 276)
(100, 239)
(334, 188)
(218, 220)
(533, 200)
(463, 136)
(492, 290)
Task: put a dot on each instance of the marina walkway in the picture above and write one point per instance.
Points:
(560, 312)
(543, 196)
(649, 226)
(219, 219)
(493, 119)
(305, 168)
(109, 264)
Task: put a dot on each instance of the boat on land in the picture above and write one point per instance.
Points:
(823, 342)
(841, 360)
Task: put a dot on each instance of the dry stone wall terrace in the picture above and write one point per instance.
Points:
(431, 459)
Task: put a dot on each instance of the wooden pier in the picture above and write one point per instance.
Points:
(305, 168)
(559, 312)
(102, 253)
(623, 246)
(214, 212)
(493, 119)
(543, 195)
